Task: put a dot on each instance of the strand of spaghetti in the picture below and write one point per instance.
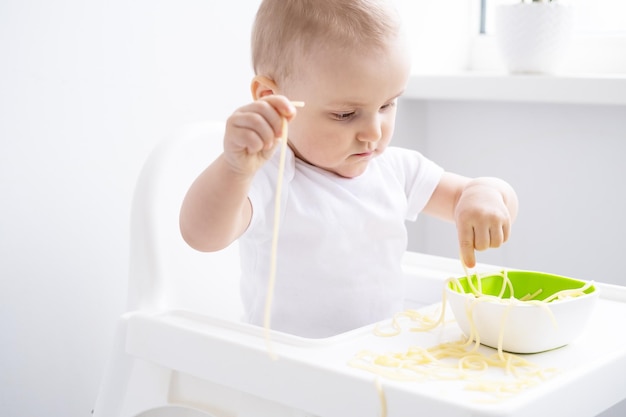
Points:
(569, 293)
(474, 335)
(509, 284)
(394, 324)
(382, 397)
(272, 278)
(505, 278)
(476, 291)
(440, 320)
(426, 322)
(505, 315)
(532, 296)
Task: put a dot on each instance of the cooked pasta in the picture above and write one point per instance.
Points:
(382, 398)
(461, 360)
(272, 278)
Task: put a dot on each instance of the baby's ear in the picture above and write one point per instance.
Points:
(262, 86)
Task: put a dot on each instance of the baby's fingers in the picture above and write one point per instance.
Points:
(496, 236)
(466, 245)
(276, 110)
(490, 235)
(476, 238)
(244, 137)
(256, 127)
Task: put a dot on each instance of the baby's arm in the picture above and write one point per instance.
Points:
(482, 208)
(216, 209)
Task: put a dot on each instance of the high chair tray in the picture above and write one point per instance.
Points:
(314, 375)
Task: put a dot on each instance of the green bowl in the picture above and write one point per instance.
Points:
(525, 282)
(526, 327)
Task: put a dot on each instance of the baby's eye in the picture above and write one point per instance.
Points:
(388, 105)
(343, 116)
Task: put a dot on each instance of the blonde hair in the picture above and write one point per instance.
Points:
(286, 31)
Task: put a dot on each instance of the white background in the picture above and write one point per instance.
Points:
(88, 88)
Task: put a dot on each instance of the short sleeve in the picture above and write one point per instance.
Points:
(419, 175)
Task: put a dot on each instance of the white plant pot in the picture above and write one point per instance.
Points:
(533, 37)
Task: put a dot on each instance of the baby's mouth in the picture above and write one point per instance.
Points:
(365, 154)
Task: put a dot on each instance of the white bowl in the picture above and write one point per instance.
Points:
(525, 327)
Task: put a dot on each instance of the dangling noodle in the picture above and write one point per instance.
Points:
(382, 398)
(272, 278)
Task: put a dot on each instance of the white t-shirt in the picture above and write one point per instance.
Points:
(340, 242)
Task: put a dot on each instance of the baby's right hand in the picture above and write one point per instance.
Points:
(253, 131)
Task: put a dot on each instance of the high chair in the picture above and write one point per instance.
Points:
(181, 349)
(163, 358)
(164, 273)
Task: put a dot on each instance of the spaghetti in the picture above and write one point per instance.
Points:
(272, 277)
(461, 360)
(382, 398)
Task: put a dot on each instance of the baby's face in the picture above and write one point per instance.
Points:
(350, 108)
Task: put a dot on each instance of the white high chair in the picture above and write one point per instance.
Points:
(174, 290)
(182, 351)
(165, 274)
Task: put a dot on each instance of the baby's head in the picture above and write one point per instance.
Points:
(346, 59)
(288, 33)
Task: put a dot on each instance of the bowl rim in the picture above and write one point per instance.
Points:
(589, 287)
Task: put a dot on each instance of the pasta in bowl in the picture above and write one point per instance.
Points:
(521, 311)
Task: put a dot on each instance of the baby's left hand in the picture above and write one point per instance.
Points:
(483, 217)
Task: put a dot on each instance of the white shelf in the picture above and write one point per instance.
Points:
(576, 89)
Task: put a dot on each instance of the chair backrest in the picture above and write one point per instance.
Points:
(165, 273)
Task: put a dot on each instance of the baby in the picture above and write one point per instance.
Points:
(346, 193)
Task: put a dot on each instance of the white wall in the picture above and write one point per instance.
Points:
(565, 162)
(86, 90)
